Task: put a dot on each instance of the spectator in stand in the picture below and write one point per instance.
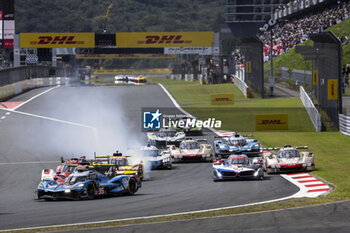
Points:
(289, 34)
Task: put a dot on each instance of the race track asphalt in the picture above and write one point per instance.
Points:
(315, 219)
(29, 144)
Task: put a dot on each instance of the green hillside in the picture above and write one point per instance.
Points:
(128, 15)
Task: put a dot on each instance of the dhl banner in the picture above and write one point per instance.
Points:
(57, 40)
(248, 67)
(125, 56)
(332, 89)
(221, 99)
(315, 77)
(271, 122)
(164, 39)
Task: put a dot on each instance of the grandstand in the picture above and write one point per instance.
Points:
(296, 27)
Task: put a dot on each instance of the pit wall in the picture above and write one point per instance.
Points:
(16, 88)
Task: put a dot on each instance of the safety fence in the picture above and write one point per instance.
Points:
(175, 76)
(344, 124)
(314, 115)
(242, 86)
(187, 77)
(240, 73)
(297, 76)
(16, 88)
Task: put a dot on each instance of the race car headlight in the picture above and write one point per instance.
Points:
(278, 165)
(257, 172)
(40, 186)
(273, 165)
(79, 186)
(67, 191)
(218, 173)
(222, 147)
(256, 146)
(309, 164)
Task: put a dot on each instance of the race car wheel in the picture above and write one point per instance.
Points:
(132, 187)
(90, 191)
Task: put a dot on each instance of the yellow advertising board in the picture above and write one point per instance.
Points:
(221, 99)
(248, 67)
(271, 122)
(315, 77)
(57, 40)
(125, 56)
(164, 39)
(332, 89)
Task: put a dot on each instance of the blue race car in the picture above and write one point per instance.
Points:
(86, 183)
(238, 166)
(224, 146)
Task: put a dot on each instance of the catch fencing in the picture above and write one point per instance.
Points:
(252, 50)
(314, 115)
(297, 76)
(344, 124)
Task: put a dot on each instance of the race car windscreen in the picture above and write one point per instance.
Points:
(288, 154)
(166, 133)
(189, 146)
(72, 179)
(237, 142)
(121, 162)
(238, 160)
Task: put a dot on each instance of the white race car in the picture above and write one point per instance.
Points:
(165, 136)
(155, 158)
(190, 149)
(238, 166)
(288, 159)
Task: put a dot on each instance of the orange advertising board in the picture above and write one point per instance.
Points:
(57, 40)
(164, 39)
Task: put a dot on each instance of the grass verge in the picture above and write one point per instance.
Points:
(331, 149)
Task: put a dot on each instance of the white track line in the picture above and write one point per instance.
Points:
(182, 110)
(303, 191)
(296, 195)
(94, 129)
(155, 216)
(36, 96)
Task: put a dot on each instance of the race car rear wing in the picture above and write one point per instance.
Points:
(287, 146)
(203, 141)
(235, 135)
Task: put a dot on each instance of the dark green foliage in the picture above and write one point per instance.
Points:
(126, 15)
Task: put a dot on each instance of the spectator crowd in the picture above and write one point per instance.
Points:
(290, 33)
